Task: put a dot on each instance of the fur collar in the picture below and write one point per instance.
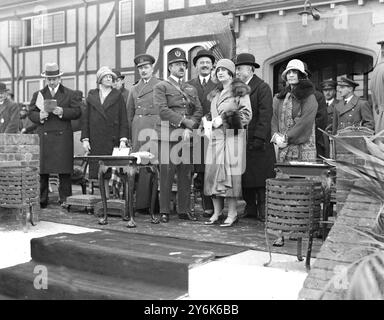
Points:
(238, 89)
(303, 90)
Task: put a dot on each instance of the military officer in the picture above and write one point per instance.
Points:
(351, 110)
(180, 113)
(203, 61)
(143, 115)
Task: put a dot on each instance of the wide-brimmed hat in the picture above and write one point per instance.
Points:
(203, 53)
(142, 59)
(247, 59)
(227, 64)
(344, 81)
(294, 64)
(328, 84)
(3, 87)
(51, 70)
(103, 71)
(176, 55)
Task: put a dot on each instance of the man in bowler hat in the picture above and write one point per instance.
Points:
(203, 61)
(9, 112)
(351, 110)
(55, 132)
(180, 113)
(260, 156)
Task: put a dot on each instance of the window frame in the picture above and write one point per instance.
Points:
(133, 18)
(41, 81)
(69, 77)
(41, 16)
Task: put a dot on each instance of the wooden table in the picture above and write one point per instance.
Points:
(128, 168)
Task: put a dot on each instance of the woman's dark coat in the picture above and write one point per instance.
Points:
(104, 124)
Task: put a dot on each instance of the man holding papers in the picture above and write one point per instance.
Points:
(53, 108)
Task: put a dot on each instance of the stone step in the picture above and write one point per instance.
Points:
(69, 284)
(157, 260)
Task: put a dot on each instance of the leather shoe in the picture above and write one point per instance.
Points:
(207, 213)
(164, 218)
(43, 205)
(188, 216)
(229, 222)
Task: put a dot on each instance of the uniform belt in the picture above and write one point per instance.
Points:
(146, 113)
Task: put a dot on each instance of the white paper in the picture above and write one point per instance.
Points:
(123, 152)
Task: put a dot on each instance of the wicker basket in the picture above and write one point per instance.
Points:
(293, 209)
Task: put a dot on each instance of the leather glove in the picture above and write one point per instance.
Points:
(255, 144)
(217, 122)
(86, 146)
(188, 123)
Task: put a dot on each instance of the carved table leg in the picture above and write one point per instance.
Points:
(103, 220)
(125, 214)
(130, 171)
(155, 176)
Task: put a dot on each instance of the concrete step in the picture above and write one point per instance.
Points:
(156, 260)
(69, 284)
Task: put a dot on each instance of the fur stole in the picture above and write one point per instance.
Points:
(303, 90)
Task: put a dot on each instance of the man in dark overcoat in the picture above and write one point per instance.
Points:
(180, 113)
(9, 112)
(260, 154)
(55, 132)
(203, 61)
(351, 110)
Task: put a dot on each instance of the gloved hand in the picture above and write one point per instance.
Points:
(217, 122)
(188, 123)
(43, 115)
(255, 144)
(86, 146)
(123, 144)
(187, 134)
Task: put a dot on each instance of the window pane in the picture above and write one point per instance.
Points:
(58, 27)
(126, 17)
(37, 25)
(27, 32)
(32, 87)
(48, 29)
(68, 82)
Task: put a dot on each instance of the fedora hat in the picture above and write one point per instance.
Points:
(51, 70)
(203, 53)
(346, 82)
(177, 55)
(3, 87)
(246, 58)
(142, 59)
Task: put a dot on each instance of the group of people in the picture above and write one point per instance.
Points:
(223, 127)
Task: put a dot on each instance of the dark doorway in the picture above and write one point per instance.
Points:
(330, 64)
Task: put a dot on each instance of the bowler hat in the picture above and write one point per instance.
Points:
(203, 53)
(3, 87)
(142, 59)
(246, 58)
(118, 74)
(344, 81)
(328, 84)
(51, 70)
(176, 55)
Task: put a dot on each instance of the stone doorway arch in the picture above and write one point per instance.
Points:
(325, 61)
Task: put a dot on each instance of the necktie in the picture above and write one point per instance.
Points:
(204, 82)
(180, 83)
(345, 102)
(52, 93)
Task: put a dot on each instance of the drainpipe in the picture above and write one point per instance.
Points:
(85, 46)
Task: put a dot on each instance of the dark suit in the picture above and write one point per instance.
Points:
(174, 107)
(9, 117)
(357, 112)
(330, 112)
(56, 140)
(199, 168)
(320, 122)
(261, 158)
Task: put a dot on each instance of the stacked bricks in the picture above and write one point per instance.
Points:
(17, 150)
(345, 181)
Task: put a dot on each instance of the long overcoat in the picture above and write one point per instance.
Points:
(9, 117)
(142, 114)
(260, 162)
(56, 134)
(104, 124)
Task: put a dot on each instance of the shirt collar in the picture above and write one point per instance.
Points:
(249, 79)
(146, 81)
(55, 88)
(348, 99)
(206, 78)
(175, 78)
(330, 101)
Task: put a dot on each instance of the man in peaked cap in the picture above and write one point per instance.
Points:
(9, 112)
(260, 156)
(55, 132)
(351, 110)
(180, 113)
(328, 87)
(203, 61)
(143, 115)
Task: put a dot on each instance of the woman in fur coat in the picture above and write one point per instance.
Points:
(293, 120)
(225, 159)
